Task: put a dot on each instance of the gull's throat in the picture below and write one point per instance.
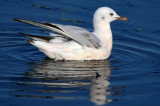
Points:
(104, 33)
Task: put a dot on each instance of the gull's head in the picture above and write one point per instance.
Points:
(107, 15)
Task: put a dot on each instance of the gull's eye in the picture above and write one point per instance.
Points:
(111, 14)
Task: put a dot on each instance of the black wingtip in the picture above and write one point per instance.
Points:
(29, 41)
(16, 19)
(23, 33)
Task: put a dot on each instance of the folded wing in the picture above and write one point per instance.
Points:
(80, 35)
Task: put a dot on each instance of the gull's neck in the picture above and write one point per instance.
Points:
(103, 31)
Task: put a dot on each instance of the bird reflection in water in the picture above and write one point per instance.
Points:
(99, 86)
(71, 76)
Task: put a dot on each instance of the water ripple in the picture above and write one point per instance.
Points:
(71, 77)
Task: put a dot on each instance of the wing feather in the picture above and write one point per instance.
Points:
(80, 35)
(39, 38)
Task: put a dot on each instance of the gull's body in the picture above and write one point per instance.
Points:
(75, 43)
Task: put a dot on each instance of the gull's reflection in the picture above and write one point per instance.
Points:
(60, 75)
(99, 85)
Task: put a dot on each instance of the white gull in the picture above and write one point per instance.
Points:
(76, 43)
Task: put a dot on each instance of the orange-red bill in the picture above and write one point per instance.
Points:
(123, 18)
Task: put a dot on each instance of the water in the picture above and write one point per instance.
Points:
(131, 76)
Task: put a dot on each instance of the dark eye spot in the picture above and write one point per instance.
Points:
(103, 17)
(111, 14)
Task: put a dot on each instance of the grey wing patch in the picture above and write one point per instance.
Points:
(83, 35)
(94, 42)
(80, 35)
(51, 27)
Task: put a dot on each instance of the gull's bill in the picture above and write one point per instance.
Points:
(123, 18)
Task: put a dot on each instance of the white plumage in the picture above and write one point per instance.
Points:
(75, 43)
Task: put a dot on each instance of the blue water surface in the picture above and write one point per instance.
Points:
(130, 77)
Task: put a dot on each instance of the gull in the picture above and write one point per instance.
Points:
(75, 43)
